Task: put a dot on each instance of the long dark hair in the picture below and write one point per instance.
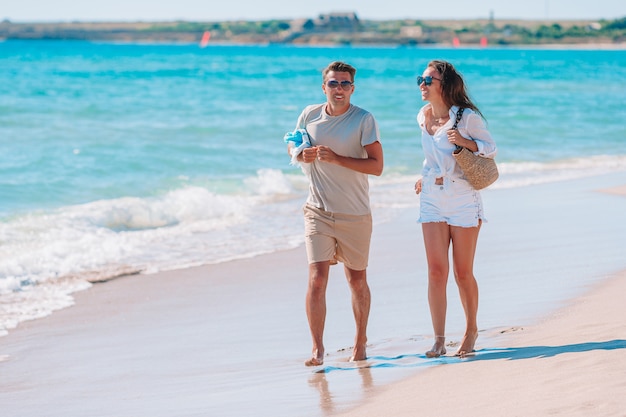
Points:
(453, 90)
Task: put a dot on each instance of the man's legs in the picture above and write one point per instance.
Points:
(316, 309)
(361, 300)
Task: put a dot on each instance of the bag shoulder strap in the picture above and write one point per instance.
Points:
(459, 115)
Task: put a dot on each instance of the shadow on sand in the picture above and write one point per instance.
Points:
(513, 353)
(544, 351)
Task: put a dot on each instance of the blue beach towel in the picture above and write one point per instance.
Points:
(300, 139)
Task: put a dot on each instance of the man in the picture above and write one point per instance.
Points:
(345, 149)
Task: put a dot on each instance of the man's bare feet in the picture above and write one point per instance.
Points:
(358, 354)
(438, 349)
(314, 362)
(317, 358)
(467, 345)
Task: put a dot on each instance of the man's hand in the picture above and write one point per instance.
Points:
(308, 155)
(325, 154)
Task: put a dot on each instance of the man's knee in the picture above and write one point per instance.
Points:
(318, 276)
(356, 279)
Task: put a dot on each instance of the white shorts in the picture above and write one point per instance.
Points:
(456, 203)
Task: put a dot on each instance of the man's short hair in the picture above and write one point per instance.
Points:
(338, 66)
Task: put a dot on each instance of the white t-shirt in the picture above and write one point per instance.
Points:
(332, 187)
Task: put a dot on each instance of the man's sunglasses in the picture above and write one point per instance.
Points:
(428, 80)
(345, 85)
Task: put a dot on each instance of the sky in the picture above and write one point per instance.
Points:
(212, 10)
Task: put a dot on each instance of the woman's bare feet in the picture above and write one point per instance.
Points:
(467, 345)
(438, 349)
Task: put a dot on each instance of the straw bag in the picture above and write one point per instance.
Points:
(479, 171)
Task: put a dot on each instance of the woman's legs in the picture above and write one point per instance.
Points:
(464, 241)
(437, 242)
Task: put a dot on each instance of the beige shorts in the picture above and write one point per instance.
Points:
(337, 237)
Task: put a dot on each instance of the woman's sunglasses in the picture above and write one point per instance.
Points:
(428, 80)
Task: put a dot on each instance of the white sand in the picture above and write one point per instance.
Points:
(571, 364)
(230, 339)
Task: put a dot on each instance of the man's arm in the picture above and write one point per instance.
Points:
(372, 165)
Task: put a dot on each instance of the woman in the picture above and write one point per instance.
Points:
(451, 210)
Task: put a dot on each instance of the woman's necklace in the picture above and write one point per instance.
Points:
(442, 119)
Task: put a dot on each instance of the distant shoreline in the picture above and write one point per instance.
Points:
(548, 47)
(338, 29)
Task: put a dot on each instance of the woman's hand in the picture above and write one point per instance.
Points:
(418, 186)
(455, 138)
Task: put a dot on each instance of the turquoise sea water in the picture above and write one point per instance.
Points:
(121, 158)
